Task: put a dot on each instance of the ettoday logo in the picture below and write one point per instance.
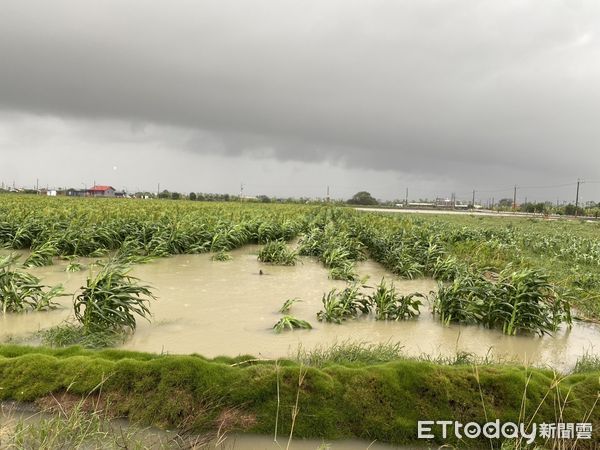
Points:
(507, 430)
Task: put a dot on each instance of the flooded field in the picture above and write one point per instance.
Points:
(227, 308)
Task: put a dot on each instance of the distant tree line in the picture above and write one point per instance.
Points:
(590, 209)
(362, 198)
(211, 197)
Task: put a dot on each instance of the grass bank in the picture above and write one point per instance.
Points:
(380, 401)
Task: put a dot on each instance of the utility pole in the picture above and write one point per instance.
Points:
(406, 198)
(577, 198)
(327, 193)
(473, 202)
(241, 192)
(37, 184)
(515, 199)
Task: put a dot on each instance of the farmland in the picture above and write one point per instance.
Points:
(517, 282)
(410, 247)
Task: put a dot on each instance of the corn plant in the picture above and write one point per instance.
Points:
(347, 303)
(132, 252)
(513, 301)
(344, 271)
(277, 252)
(401, 262)
(41, 256)
(21, 291)
(229, 238)
(462, 300)
(287, 305)
(390, 305)
(74, 266)
(447, 268)
(291, 323)
(272, 230)
(337, 249)
(431, 251)
(311, 243)
(526, 301)
(580, 279)
(334, 309)
(111, 299)
(335, 255)
(222, 256)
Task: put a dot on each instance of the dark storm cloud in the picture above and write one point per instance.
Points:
(423, 86)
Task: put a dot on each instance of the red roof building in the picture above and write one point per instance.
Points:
(101, 191)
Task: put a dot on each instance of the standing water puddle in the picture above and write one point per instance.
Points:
(13, 415)
(226, 308)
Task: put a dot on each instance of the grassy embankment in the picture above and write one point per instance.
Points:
(370, 401)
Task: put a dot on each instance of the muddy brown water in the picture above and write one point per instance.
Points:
(226, 308)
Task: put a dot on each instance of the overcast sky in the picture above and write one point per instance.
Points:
(288, 97)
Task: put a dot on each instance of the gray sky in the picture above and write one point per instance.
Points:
(290, 96)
